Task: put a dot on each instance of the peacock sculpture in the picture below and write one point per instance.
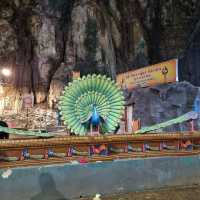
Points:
(92, 100)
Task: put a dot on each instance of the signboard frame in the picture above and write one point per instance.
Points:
(161, 73)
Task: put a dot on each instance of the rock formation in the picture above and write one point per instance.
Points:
(41, 40)
(165, 102)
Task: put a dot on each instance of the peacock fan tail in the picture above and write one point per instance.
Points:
(92, 99)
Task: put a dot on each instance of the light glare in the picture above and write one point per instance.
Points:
(6, 72)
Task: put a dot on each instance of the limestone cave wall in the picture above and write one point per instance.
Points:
(41, 41)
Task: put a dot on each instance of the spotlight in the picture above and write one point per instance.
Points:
(6, 72)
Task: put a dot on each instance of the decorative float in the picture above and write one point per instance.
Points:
(91, 108)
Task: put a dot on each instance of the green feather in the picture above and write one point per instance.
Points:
(78, 98)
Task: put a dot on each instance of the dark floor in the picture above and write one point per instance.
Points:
(183, 193)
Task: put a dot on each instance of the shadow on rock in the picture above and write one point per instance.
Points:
(48, 189)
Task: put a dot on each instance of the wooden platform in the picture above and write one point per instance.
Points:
(39, 151)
